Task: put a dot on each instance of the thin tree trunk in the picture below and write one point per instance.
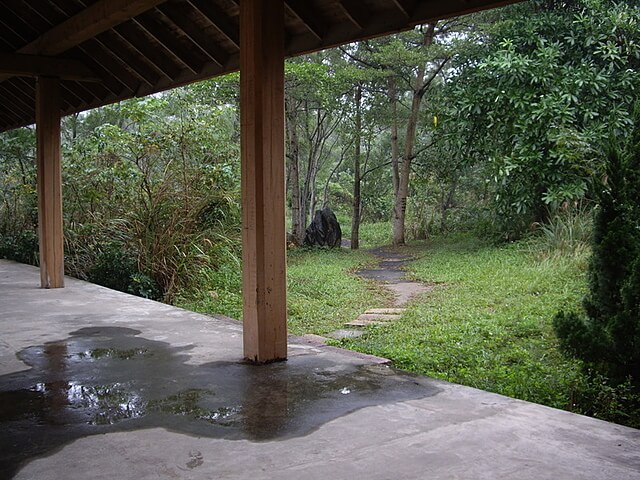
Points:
(445, 204)
(355, 219)
(400, 203)
(297, 227)
(395, 168)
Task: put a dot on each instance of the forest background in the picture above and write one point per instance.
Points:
(482, 138)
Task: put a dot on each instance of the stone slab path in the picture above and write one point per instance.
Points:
(391, 274)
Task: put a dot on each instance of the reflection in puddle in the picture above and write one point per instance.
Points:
(108, 379)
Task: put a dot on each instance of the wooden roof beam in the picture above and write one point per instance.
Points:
(357, 13)
(425, 12)
(16, 109)
(195, 34)
(218, 18)
(91, 21)
(111, 43)
(19, 96)
(300, 8)
(95, 19)
(164, 38)
(16, 64)
(405, 6)
(132, 34)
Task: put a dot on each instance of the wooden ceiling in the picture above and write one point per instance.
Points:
(110, 50)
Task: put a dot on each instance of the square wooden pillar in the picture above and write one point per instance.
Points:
(263, 179)
(49, 183)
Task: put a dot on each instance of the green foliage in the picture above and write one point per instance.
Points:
(487, 325)
(607, 334)
(323, 293)
(21, 247)
(151, 190)
(18, 205)
(117, 269)
(539, 105)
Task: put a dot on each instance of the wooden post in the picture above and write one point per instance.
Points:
(263, 180)
(49, 183)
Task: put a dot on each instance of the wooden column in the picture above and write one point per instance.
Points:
(49, 183)
(263, 179)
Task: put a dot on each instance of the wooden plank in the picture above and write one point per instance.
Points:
(180, 18)
(38, 65)
(263, 175)
(17, 108)
(190, 57)
(143, 43)
(356, 12)
(49, 182)
(111, 43)
(219, 19)
(95, 19)
(405, 6)
(21, 93)
(309, 17)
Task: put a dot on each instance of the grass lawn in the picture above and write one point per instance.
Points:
(488, 322)
(322, 293)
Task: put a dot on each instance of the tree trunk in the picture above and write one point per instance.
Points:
(393, 100)
(355, 219)
(297, 227)
(400, 203)
(446, 203)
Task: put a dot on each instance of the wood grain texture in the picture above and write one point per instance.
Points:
(49, 183)
(263, 180)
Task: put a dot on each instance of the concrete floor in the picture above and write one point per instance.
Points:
(99, 384)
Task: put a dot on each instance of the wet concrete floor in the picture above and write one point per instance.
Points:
(99, 384)
(109, 379)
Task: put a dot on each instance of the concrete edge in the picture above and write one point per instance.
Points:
(321, 342)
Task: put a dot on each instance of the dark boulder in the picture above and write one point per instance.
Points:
(324, 230)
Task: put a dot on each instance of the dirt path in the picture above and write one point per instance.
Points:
(391, 274)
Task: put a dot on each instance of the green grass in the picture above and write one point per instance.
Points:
(488, 322)
(323, 294)
(371, 234)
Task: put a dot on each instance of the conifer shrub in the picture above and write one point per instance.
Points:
(606, 334)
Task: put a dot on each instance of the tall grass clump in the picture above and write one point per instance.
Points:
(566, 234)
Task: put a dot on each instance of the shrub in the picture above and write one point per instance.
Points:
(21, 247)
(607, 335)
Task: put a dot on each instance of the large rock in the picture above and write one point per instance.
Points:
(324, 230)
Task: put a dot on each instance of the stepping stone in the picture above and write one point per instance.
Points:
(345, 333)
(363, 323)
(384, 317)
(386, 311)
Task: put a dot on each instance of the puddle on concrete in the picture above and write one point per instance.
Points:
(108, 379)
